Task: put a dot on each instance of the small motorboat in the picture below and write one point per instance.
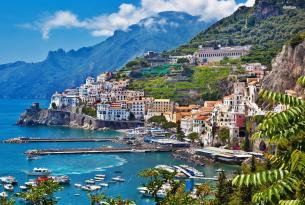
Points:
(30, 184)
(100, 175)
(118, 179)
(3, 194)
(23, 188)
(104, 184)
(8, 180)
(90, 181)
(39, 172)
(78, 185)
(76, 194)
(8, 187)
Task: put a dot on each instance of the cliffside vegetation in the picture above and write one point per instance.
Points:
(194, 84)
(267, 33)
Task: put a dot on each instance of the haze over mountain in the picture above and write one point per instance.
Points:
(62, 69)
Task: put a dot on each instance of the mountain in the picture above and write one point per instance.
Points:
(61, 69)
(267, 26)
(287, 67)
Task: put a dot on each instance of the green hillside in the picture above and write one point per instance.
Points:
(195, 84)
(267, 26)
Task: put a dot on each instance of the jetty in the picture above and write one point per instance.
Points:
(100, 150)
(21, 140)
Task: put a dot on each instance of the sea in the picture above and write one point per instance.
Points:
(78, 167)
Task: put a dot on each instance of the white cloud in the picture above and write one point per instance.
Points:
(128, 14)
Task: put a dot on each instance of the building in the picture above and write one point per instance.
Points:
(210, 54)
(113, 111)
(137, 108)
(64, 100)
(174, 59)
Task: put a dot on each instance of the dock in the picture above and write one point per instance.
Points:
(43, 140)
(101, 150)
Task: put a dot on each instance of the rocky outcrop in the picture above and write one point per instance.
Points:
(265, 9)
(36, 116)
(287, 67)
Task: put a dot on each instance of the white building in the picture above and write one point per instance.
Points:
(210, 54)
(113, 112)
(137, 107)
(187, 125)
(63, 100)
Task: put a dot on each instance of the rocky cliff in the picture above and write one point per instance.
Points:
(37, 116)
(287, 67)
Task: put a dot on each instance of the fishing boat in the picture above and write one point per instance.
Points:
(39, 172)
(8, 187)
(8, 180)
(118, 179)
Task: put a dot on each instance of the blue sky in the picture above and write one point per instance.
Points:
(30, 28)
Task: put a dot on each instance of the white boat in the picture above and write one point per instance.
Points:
(30, 184)
(8, 187)
(8, 180)
(99, 178)
(39, 172)
(23, 188)
(3, 194)
(76, 194)
(78, 185)
(118, 179)
(60, 179)
(91, 187)
(90, 181)
(104, 184)
(100, 175)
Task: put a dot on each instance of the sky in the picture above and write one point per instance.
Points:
(31, 28)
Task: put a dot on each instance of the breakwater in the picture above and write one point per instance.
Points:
(102, 150)
(49, 117)
(21, 140)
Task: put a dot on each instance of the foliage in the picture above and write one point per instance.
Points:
(42, 194)
(224, 190)
(132, 116)
(157, 119)
(224, 134)
(169, 125)
(6, 201)
(98, 198)
(203, 80)
(180, 134)
(296, 40)
(177, 194)
(183, 60)
(54, 106)
(193, 136)
(241, 28)
(91, 111)
(283, 183)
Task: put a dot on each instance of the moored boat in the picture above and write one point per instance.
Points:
(60, 179)
(8, 187)
(3, 194)
(39, 172)
(8, 180)
(118, 179)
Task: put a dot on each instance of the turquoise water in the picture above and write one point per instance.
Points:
(78, 167)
